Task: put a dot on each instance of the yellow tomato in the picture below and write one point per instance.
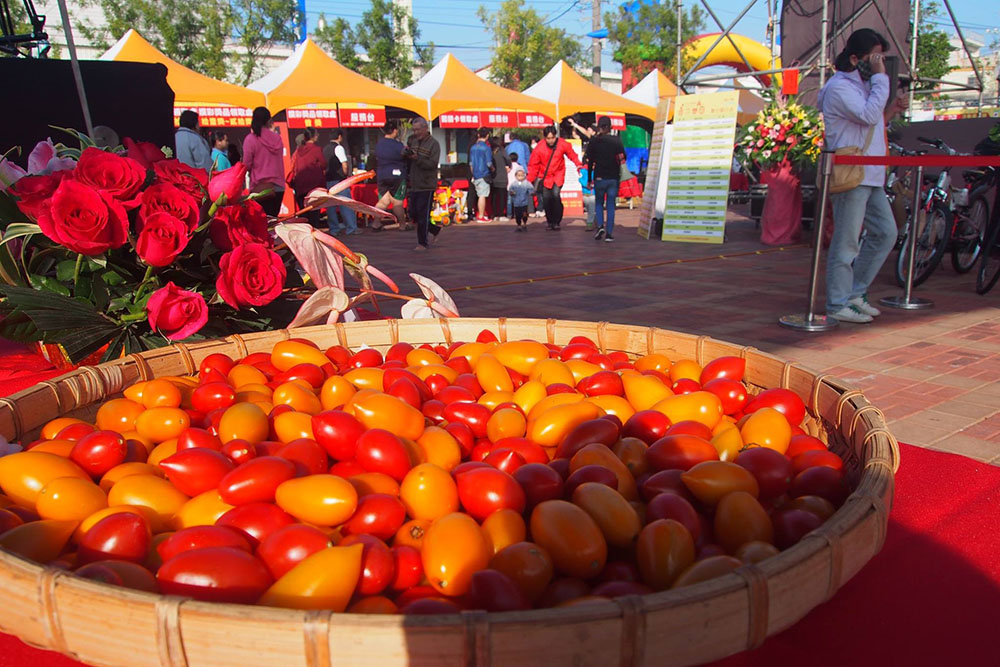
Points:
(613, 405)
(492, 374)
(424, 372)
(25, 474)
(582, 369)
(453, 550)
(521, 355)
(551, 426)
(134, 392)
(471, 351)
(553, 371)
(644, 391)
(58, 447)
(300, 398)
(368, 483)
(384, 411)
(123, 470)
(336, 392)
(728, 442)
(440, 447)
(159, 424)
(506, 423)
(160, 394)
(323, 500)
(70, 499)
(428, 492)
(290, 353)
(553, 401)
(423, 357)
(504, 528)
(529, 394)
(365, 378)
(118, 414)
(618, 521)
(767, 427)
(290, 426)
(653, 361)
(160, 452)
(202, 510)
(703, 407)
(243, 374)
(491, 399)
(685, 369)
(244, 421)
(52, 428)
(150, 491)
(324, 580)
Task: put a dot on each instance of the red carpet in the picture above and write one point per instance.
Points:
(931, 597)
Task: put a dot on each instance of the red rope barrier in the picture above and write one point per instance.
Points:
(920, 160)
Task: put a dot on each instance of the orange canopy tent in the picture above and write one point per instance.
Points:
(188, 86)
(451, 86)
(570, 93)
(310, 76)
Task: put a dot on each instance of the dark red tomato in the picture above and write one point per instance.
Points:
(529, 451)
(378, 567)
(602, 383)
(590, 473)
(466, 466)
(268, 447)
(346, 469)
(220, 363)
(481, 450)
(688, 427)
(817, 458)
(483, 491)
(256, 480)
(804, 443)
(195, 471)
(338, 354)
(366, 358)
(469, 383)
(406, 391)
(393, 365)
(472, 415)
(820, 481)
(377, 514)
(491, 590)
(398, 352)
(25, 514)
(337, 432)
(310, 373)
(772, 470)
(504, 458)
(191, 438)
(561, 466)
(791, 525)
(680, 452)
(540, 483)
(436, 383)
(785, 401)
(135, 451)
(647, 425)
(215, 574)
(99, 452)
(100, 572)
(562, 590)
(665, 481)
(459, 364)
(673, 506)
(618, 570)
(576, 351)
(309, 458)
(288, 546)
(269, 370)
(685, 386)
(9, 520)
(392, 375)
(616, 589)
(239, 451)
(507, 405)
(732, 394)
(256, 520)
(429, 606)
(433, 410)
(593, 430)
(559, 388)
(708, 550)
(409, 567)
(74, 432)
(381, 451)
(729, 368)
(201, 537)
(464, 435)
(121, 536)
(486, 336)
(256, 358)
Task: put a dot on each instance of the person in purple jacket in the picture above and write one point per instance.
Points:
(262, 156)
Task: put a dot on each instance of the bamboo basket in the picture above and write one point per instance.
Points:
(105, 625)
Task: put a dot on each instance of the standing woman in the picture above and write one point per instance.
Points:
(853, 103)
(604, 157)
(547, 170)
(390, 173)
(262, 152)
(498, 187)
(308, 172)
(219, 141)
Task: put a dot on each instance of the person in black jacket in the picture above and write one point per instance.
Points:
(498, 186)
(604, 156)
(423, 172)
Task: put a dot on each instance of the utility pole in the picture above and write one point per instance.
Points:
(913, 55)
(595, 24)
(679, 63)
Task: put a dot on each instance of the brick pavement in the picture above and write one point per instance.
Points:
(935, 373)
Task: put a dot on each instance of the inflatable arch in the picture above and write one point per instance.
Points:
(758, 55)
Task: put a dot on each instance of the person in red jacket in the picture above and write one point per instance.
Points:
(308, 172)
(547, 169)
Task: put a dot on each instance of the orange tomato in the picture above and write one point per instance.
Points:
(39, 541)
(323, 500)
(506, 423)
(454, 549)
(710, 481)
(598, 454)
(70, 499)
(492, 375)
(440, 447)
(244, 374)
(528, 565)
(58, 447)
(419, 356)
(366, 378)
(160, 452)
(335, 392)
(739, 518)
(428, 492)
(159, 424)
(503, 528)
(290, 426)
(521, 355)
(653, 361)
(707, 568)
(53, 427)
(471, 351)
(571, 538)
(613, 405)
(581, 369)
(160, 394)
(324, 580)
(150, 491)
(118, 414)
(703, 407)
(289, 353)
(663, 551)
(244, 421)
(125, 469)
(632, 452)
(302, 399)
(25, 474)
(202, 510)
(368, 483)
(550, 427)
(618, 522)
(412, 533)
(384, 411)
(553, 371)
(685, 369)
(424, 372)
(528, 395)
(644, 391)
(767, 427)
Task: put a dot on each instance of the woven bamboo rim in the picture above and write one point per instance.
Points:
(106, 625)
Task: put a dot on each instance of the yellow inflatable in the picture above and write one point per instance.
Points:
(758, 55)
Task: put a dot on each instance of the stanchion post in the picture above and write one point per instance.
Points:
(811, 321)
(907, 301)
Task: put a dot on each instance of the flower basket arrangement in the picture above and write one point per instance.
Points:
(114, 251)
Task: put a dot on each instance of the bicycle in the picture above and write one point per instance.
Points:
(989, 262)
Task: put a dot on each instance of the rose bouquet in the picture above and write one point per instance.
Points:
(784, 131)
(126, 249)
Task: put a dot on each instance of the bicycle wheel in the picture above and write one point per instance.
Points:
(932, 240)
(989, 259)
(969, 234)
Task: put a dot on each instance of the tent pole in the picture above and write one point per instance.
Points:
(75, 64)
(913, 56)
(595, 24)
(823, 45)
(679, 65)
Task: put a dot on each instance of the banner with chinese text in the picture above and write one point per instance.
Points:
(216, 115)
(361, 115)
(313, 115)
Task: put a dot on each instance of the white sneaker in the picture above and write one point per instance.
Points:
(862, 304)
(503, 218)
(851, 313)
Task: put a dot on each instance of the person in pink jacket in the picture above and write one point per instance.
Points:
(262, 156)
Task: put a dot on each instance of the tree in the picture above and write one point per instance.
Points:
(933, 46)
(388, 35)
(256, 26)
(646, 38)
(338, 39)
(526, 48)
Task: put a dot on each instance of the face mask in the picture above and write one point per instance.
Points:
(864, 69)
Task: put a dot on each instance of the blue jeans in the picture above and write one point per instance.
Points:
(605, 188)
(348, 214)
(850, 265)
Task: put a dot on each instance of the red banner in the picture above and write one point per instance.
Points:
(320, 118)
(216, 116)
(361, 116)
(471, 119)
(532, 119)
(498, 118)
(617, 119)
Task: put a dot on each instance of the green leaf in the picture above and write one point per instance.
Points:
(16, 230)
(9, 272)
(65, 270)
(50, 284)
(9, 212)
(112, 278)
(85, 141)
(95, 263)
(99, 293)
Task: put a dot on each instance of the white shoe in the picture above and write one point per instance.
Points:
(851, 313)
(862, 304)
(503, 218)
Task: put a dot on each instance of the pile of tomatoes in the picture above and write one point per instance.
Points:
(481, 475)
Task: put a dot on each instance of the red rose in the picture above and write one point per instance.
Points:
(235, 225)
(250, 275)
(119, 176)
(33, 192)
(168, 198)
(190, 180)
(161, 238)
(143, 152)
(83, 219)
(176, 313)
(229, 182)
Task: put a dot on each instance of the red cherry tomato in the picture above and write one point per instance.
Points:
(729, 368)
(820, 481)
(732, 394)
(346, 469)
(472, 415)
(803, 443)
(195, 471)
(337, 432)
(529, 451)
(378, 567)
(817, 458)
(689, 427)
(255, 481)
(785, 401)
(495, 591)
(618, 570)
(665, 481)
(647, 425)
(239, 451)
(201, 537)
(406, 391)
(673, 506)
(602, 431)
(506, 459)
(680, 452)
(121, 536)
(212, 396)
(377, 514)
(602, 383)
(456, 394)
(433, 410)
(685, 386)
(408, 565)
(310, 373)
(220, 363)
(288, 546)
(191, 437)
(309, 458)
(483, 491)
(791, 525)
(562, 590)
(590, 473)
(366, 358)
(256, 520)
(463, 434)
(540, 483)
(559, 388)
(380, 451)
(215, 574)
(772, 470)
(99, 451)
(74, 432)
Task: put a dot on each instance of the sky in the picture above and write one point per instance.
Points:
(453, 26)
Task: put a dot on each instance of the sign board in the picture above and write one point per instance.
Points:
(571, 193)
(617, 119)
(468, 119)
(216, 115)
(361, 115)
(701, 158)
(313, 115)
(532, 119)
(655, 190)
